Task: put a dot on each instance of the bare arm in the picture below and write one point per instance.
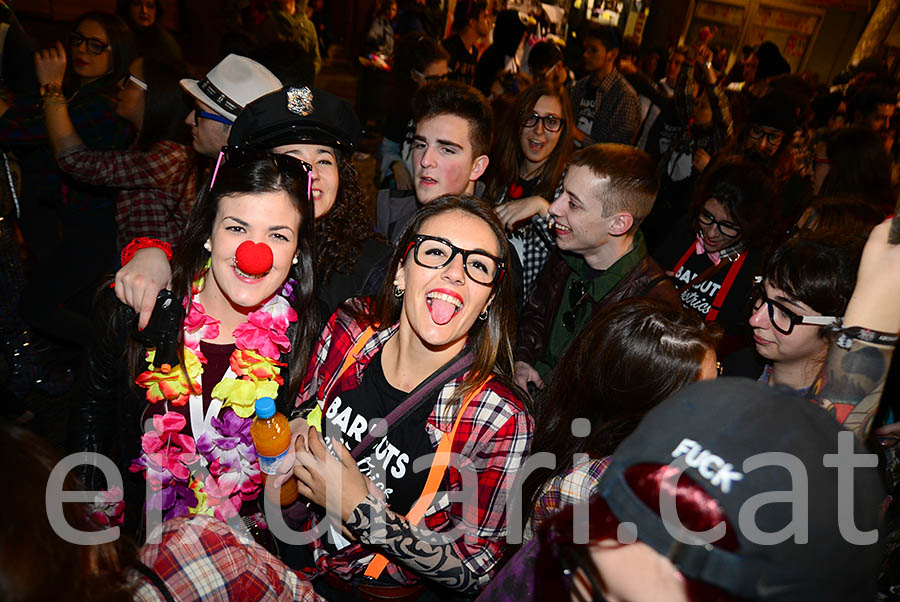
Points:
(852, 379)
(50, 65)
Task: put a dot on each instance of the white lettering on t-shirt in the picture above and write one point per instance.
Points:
(358, 428)
(700, 295)
(384, 457)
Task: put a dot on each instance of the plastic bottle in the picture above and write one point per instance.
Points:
(271, 433)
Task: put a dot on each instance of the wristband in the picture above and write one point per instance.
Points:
(51, 89)
(145, 243)
(846, 337)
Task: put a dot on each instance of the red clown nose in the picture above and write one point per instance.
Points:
(253, 257)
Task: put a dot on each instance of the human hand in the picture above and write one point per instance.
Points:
(285, 470)
(402, 177)
(701, 159)
(873, 304)
(626, 67)
(50, 65)
(526, 373)
(317, 469)
(513, 212)
(139, 281)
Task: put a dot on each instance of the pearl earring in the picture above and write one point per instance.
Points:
(295, 260)
(208, 246)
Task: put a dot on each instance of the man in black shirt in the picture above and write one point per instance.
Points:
(471, 21)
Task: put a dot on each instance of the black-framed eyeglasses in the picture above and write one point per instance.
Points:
(577, 295)
(782, 318)
(772, 138)
(552, 123)
(292, 167)
(434, 252)
(201, 114)
(93, 45)
(726, 229)
(432, 78)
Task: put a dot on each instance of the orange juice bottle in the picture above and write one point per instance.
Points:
(271, 433)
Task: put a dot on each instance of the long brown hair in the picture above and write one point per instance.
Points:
(35, 562)
(341, 232)
(507, 155)
(258, 176)
(630, 357)
(490, 339)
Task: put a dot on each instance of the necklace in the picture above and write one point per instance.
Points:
(216, 469)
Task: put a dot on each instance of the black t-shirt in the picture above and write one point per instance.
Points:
(462, 62)
(389, 462)
(700, 297)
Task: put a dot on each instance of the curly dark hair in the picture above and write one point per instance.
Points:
(341, 232)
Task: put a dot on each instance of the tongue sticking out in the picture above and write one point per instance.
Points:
(441, 311)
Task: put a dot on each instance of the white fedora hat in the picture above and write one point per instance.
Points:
(232, 84)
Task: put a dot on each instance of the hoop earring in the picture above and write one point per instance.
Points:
(483, 315)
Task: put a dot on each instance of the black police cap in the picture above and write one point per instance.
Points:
(296, 115)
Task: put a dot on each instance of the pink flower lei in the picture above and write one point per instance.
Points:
(214, 473)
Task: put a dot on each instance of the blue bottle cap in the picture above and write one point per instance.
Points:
(265, 407)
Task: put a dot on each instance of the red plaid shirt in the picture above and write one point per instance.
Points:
(494, 435)
(202, 558)
(156, 186)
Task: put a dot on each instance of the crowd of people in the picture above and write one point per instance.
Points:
(502, 372)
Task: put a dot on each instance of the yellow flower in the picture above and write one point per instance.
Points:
(171, 385)
(241, 394)
(246, 362)
(202, 507)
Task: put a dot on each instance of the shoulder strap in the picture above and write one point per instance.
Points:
(726, 287)
(351, 357)
(421, 394)
(433, 482)
(155, 579)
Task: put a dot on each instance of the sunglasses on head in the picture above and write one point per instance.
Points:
(93, 45)
(291, 166)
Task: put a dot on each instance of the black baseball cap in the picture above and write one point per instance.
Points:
(715, 431)
(296, 115)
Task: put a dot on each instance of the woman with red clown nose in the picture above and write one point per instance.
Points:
(240, 321)
(322, 130)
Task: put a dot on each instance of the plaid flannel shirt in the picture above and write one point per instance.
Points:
(537, 241)
(617, 109)
(156, 186)
(494, 435)
(577, 485)
(22, 130)
(202, 558)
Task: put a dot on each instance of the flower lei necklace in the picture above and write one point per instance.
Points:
(214, 471)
